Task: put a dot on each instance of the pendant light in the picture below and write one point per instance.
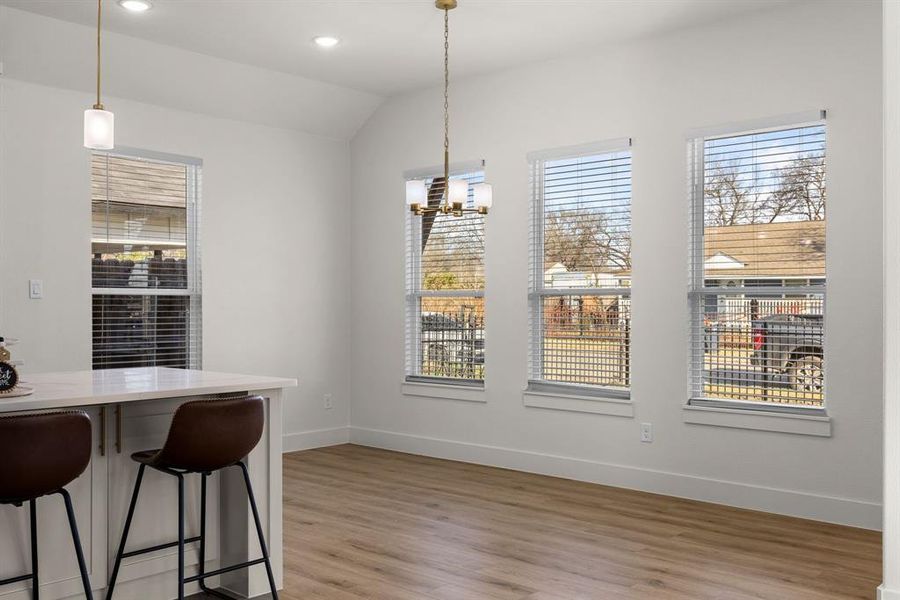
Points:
(98, 122)
(455, 190)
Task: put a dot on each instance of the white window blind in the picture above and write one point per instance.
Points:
(445, 291)
(758, 268)
(145, 264)
(581, 268)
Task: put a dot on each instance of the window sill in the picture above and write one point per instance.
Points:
(445, 391)
(758, 420)
(598, 405)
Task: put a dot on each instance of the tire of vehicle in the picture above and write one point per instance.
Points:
(807, 374)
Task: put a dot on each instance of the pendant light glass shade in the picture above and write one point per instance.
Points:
(484, 195)
(99, 126)
(415, 192)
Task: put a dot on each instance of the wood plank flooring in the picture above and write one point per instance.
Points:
(367, 523)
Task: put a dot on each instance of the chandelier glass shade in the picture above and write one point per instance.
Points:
(454, 192)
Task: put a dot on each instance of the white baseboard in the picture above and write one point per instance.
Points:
(886, 594)
(844, 511)
(318, 438)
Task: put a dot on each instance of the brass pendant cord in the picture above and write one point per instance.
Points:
(447, 102)
(98, 105)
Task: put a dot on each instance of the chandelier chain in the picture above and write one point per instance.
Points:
(446, 94)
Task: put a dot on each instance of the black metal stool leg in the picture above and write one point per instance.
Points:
(85, 581)
(118, 563)
(259, 531)
(180, 536)
(35, 587)
(202, 567)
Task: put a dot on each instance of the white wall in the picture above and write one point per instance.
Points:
(808, 56)
(890, 588)
(275, 208)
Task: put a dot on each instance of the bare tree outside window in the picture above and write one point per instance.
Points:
(793, 192)
(585, 240)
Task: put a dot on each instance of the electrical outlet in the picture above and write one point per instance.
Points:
(329, 402)
(35, 289)
(646, 433)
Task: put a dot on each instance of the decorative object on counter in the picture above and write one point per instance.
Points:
(10, 385)
(9, 377)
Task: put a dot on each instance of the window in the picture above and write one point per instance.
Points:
(581, 268)
(145, 265)
(758, 268)
(445, 291)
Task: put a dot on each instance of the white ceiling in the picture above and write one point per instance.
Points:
(392, 46)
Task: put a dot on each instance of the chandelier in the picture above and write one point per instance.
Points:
(454, 192)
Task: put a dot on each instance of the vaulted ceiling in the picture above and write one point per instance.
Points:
(392, 46)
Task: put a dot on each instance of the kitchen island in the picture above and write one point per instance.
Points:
(131, 410)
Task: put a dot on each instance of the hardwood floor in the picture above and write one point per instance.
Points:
(367, 523)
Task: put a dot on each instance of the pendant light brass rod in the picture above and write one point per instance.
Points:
(447, 102)
(98, 105)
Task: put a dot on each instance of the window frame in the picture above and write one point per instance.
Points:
(429, 385)
(537, 291)
(193, 290)
(698, 291)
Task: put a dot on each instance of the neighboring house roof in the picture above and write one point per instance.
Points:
(556, 268)
(720, 260)
(766, 250)
(794, 249)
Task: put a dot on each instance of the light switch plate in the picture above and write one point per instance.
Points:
(35, 289)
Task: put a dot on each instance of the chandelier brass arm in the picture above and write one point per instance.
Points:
(445, 209)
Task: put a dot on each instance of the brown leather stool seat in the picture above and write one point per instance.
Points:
(205, 436)
(41, 454)
(208, 435)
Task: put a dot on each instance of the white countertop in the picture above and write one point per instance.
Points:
(113, 386)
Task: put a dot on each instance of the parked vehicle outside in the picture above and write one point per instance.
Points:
(790, 347)
(451, 347)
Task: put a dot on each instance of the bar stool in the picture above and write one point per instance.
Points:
(205, 436)
(42, 453)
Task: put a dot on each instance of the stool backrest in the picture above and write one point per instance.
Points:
(207, 435)
(41, 453)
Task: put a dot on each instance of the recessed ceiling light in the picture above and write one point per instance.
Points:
(326, 41)
(136, 5)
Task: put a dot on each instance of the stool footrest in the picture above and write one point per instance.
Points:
(26, 577)
(159, 547)
(223, 570)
